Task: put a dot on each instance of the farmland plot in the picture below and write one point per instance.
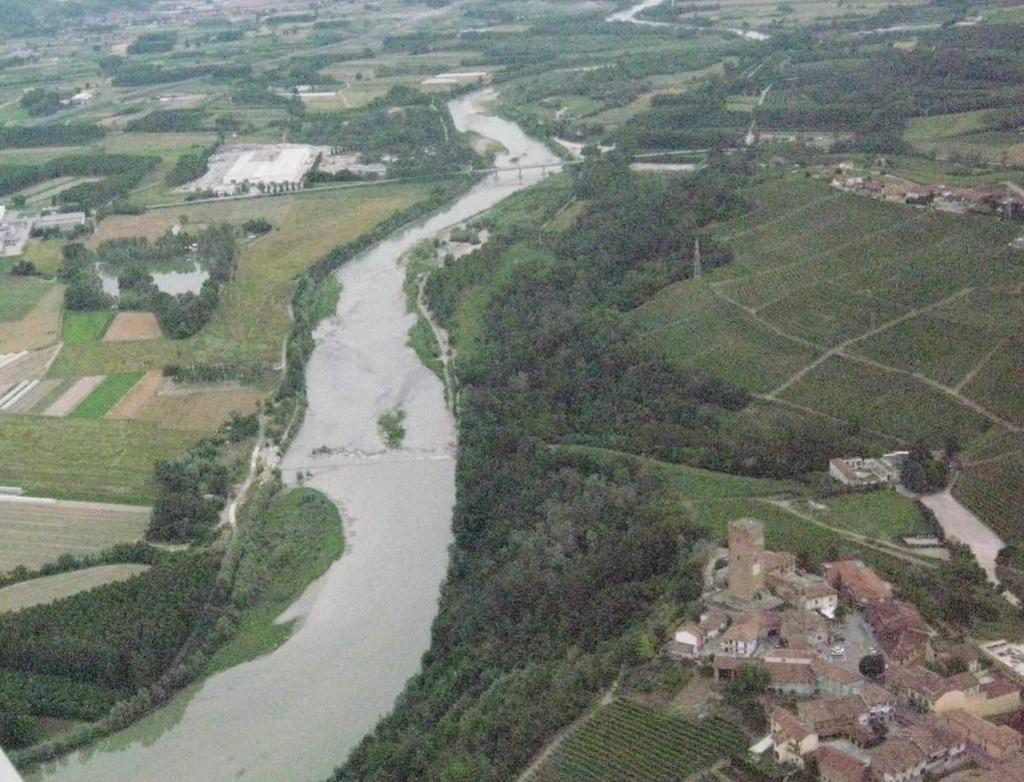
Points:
(34, 532)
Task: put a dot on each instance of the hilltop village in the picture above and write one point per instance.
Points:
(857, 686)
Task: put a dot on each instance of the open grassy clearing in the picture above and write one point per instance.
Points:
(107, 394)
(627, 741)
(45, 255)
(97, 459)
(47, 589)
(152, 224)
(252, 318)
(20, 295)
(879, 514)
(33, 533)
(39, 328)
(79, 327)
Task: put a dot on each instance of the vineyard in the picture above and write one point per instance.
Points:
(928, 297)
(893, 403)
(995, 492)
(698, 329)
(626, 741)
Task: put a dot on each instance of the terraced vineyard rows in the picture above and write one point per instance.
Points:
(627, 741)
(995, 492)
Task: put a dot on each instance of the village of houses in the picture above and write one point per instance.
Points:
(939, 710)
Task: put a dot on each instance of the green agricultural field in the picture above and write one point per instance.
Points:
(970, 133)
(18, 295)
(107, 394)
(252, 319)
(687, 323)
(47, 589)
(627, 741)
(97, 459)
(82, 327)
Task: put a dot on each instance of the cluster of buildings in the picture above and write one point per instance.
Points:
(15, 229)
(907, 723)
(860, 471)
(984, 199)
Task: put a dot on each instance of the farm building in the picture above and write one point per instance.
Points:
(858, 471)
(60, 221)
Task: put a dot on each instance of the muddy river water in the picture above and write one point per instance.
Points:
(296, 713)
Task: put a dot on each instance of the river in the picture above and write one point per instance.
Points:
(295, 714)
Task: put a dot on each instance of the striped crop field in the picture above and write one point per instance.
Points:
(627, 741)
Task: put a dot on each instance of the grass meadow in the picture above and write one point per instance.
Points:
(85, 458)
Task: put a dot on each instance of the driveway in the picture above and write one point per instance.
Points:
(960, 523)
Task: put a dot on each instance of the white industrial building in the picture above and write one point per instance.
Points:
(241, 167)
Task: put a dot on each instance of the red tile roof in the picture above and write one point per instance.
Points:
(834, 765)
(787, 727)
(896, 756)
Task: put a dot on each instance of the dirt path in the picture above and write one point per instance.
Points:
(892, 550)
(531, 770)
(973, 372)
(839, 350)
(445, 350)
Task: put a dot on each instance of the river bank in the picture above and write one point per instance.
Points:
(296, 713)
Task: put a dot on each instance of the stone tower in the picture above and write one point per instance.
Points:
(746, 542)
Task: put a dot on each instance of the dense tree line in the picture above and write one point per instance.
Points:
(254, 94)
(120, 636)
(68, 135)
(169, 121)
(191, 493)
(405, 124)
(133, 73)
(39, 102)
(121, 173)
(189, 166)
(153, 43)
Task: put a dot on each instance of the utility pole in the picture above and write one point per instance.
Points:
(696, 259)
